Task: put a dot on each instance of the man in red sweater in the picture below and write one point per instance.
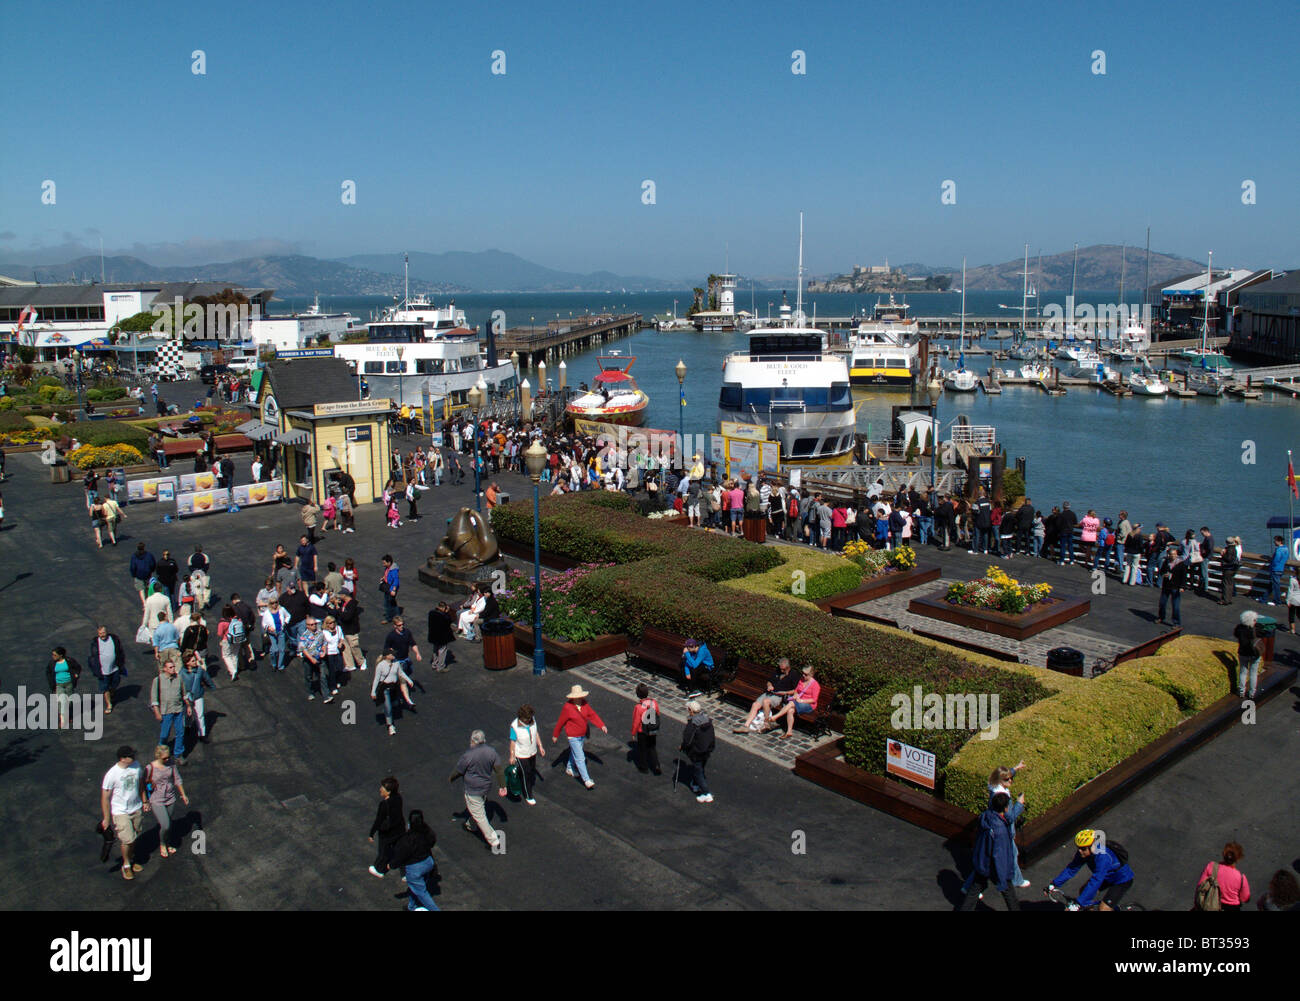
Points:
(575, 720)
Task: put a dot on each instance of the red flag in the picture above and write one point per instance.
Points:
(1290, 478)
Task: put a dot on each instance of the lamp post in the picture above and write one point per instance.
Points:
(475, 399)
(514, 363)
(535, 460)
(680, 369)
(81, 396)
(935, 390)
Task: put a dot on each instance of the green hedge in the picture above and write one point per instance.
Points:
(1065, 740)
(1193, 669)
(100, 433)
(14, 422)
(824, 575)
(870, 725)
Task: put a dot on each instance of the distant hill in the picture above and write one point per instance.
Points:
(498, 271)
(1099, 268)
(288, 275)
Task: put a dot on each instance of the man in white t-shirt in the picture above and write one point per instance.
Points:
(123, 805)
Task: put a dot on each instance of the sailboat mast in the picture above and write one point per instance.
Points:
(1123, 252)
(798, 292)
(406, 270)
(963, 304)
(1024, 296)
(1205, 323)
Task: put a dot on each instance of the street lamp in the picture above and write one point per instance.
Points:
(514, 363)
(475, 400)
(535, 459)
(935, 390)
(81, 397)
(680, 369)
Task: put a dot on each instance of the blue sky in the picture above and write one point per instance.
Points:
(547, 161)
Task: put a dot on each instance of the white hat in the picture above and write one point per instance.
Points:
(576, 692)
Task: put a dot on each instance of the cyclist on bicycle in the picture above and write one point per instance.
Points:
(1111, 875)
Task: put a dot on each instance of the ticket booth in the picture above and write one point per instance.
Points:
(308, 409)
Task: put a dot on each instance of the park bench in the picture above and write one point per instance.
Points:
(749, 681)
(663, 650)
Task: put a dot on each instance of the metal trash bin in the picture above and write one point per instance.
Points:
(503, 497)
(498, 644)
(59, 473)
(1266, 629)
(1065, 659)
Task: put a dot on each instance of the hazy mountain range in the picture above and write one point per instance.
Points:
(498, 271)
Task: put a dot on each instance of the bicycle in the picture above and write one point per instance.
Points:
(1059, 896)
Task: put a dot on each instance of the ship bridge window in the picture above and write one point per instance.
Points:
(804, 447)
(428, 366)
(731, 396)
(395, 367)
(374, 368)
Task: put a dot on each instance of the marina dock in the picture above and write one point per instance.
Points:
(563, 337)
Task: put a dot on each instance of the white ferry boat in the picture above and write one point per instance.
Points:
(787, 381)
(883, 350)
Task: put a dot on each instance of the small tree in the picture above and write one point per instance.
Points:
(912, 448)
(929, 441)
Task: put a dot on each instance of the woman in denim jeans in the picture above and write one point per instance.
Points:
(1039, 533)
(574, 720)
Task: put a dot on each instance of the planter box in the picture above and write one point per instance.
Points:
(524, 551)
(878, 587)
(823, 766)
(561, 655)
(1017, 627)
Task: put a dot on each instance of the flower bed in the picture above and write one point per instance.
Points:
(879, 561)
(998, 592)
(97, 456)
(562, 617)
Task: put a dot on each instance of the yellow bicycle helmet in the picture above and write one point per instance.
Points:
(1084, 838)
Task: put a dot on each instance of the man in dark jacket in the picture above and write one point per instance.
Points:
(1025, 526)
(348, 615)
(107, 662)
(388, 826)
(168, 571)
(982, 521)
(698, 743)
(1175, 579)
(994, 856)
(441, 635)
(1066, 520)
(142, 567)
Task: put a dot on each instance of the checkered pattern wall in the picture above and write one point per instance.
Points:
(169, 356)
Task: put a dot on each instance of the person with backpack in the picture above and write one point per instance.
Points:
(698, 742)
(1222, 886)
(1111, 876)
(231, 636)
(525, 746)
(1250, 648)
(645, 731)
(413, 853)
(994, 856)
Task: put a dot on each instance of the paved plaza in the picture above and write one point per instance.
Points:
(285, 792)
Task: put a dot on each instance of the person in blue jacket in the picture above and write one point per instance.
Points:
(994, 857)
(695, 658)
(1276, 567)
(1111, 876)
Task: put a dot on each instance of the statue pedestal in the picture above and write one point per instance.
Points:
(459, 580)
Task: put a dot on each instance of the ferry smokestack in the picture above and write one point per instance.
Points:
(491, 345)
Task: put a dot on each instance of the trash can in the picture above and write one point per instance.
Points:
(755, 527)
(1266, 628)
(1065, 659)
(498, 644)
(503, 498)
(59, 473)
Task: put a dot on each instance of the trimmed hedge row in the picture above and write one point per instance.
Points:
(615, 534)
(101, 433)
(824, 575)
(871, 724)
(1065, 740)
(1193, 669)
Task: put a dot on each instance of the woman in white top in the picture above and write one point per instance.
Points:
(469, 614)
(334, 643)
(525, 745)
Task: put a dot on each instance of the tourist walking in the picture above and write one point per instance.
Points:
(698, 742)
(63, 673)
(575, 721)
(480, 767)
(305, 561)
(1276, 567)
(107, 662)
(389, 825)
(1171, 588)
(335, 644)
(1229, 565)
(389, 584)
(163, 783)
(122, 805)
(645, 731)
(315, 669)
(348, 616)
(441, 636)
(1250, 647)
(1283, 893)
(413, 854)
(310, 515)
(347, 521)
(1222, 886)
(167, 699)
(195, 678)
(388, 677)
(142, 568)
(525, 745)
(993, 860)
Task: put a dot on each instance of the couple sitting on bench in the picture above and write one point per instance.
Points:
(790, 692)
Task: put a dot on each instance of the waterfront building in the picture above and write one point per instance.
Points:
(1267, 325)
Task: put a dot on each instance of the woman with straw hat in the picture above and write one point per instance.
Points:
(575, 720)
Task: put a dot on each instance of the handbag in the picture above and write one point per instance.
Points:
(143, 636)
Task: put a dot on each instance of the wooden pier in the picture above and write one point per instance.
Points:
(564, 337)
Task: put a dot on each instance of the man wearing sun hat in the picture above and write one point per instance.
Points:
(575, 720)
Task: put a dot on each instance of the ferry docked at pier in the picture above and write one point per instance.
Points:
(883, 350)
(615, 397)
(787, 381)
(416, 346)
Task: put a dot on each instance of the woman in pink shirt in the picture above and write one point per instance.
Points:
(1088, 526)
(804, 702)
(1234, 890)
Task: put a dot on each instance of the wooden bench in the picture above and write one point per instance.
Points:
(664, 650)
(749, 681)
